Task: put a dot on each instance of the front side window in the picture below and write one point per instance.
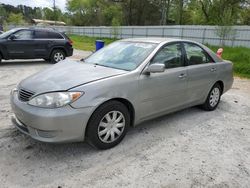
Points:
(122, 55)
(170, 56)
(24, 35)
(196, 55)
(7, 33)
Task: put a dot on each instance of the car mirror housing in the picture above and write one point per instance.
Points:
(12, 37)
(155, 68)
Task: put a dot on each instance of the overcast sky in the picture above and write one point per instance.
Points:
(36, 3)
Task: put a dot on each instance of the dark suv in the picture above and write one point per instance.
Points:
(32, 43)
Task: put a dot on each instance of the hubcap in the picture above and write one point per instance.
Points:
(58, 57)
(111, 126)
(214, 97)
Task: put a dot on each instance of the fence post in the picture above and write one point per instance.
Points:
(132, 32)
(146, 31)
(204, 35)
(182, 29)
(162, 31)
(234, 36)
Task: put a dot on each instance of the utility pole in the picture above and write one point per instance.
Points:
(54, 7)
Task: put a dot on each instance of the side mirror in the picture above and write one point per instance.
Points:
(12, 37)
(155, 68)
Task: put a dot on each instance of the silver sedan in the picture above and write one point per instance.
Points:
(121, 85)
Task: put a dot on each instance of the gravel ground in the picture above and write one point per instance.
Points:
(190, 148)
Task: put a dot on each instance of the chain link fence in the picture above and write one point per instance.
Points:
(213, 35)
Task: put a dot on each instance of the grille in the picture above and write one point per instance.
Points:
(25, 95)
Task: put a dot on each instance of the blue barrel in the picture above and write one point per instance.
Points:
(99, 44)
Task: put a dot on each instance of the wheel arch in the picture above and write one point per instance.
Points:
(221, 85)
(124, 101)
(58, 48)
(1, 55)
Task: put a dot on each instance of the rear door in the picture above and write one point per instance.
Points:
(21, 46)
(45, 41)
(202, 72)
(161, 92)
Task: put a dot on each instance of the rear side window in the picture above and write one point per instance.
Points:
(53, 35)
(41, 35)
(196, 55)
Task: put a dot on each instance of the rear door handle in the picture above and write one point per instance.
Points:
(182, 76)
(213, 69)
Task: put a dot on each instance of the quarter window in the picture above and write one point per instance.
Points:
(170, 56)
(196, 55)
(53, 35)
(24, 35)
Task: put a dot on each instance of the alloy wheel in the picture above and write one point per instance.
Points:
(58, 56)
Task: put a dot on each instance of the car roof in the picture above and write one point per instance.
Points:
(37, 29)
(156, 40)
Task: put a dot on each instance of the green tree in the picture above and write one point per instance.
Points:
(16, 19)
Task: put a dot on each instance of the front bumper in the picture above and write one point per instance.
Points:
(64, 124)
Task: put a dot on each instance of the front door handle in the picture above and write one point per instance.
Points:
(182, 76)
(213, 69)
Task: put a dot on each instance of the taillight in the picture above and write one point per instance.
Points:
(70, 42)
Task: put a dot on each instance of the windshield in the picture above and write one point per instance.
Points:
(7, 33)
(122, 55)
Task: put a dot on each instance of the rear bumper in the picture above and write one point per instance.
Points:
(70, 51)
(64, 124)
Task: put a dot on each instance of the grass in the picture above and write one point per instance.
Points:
(87, 43)
(240, 56)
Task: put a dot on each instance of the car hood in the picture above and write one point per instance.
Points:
(66, 75)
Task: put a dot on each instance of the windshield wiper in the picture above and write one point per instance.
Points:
(103, 65)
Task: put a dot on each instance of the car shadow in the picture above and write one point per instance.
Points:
(46, 159)
(83, 148)
(23, 62)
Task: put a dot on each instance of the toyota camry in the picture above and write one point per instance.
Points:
(121, 85)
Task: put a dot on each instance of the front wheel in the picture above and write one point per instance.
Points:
(57, 55)
(213, 98)
(108, 125)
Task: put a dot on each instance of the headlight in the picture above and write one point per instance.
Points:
(55, 99)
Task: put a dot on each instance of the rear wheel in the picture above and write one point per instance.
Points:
(108, 125)
(57, 55)
(213, 98)
(0, 58)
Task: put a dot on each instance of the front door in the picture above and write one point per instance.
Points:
(166, 91)
(21, 46)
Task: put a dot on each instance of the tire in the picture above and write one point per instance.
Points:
(213, 98)
(0, 58)
(102, 126)
(57, 55)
